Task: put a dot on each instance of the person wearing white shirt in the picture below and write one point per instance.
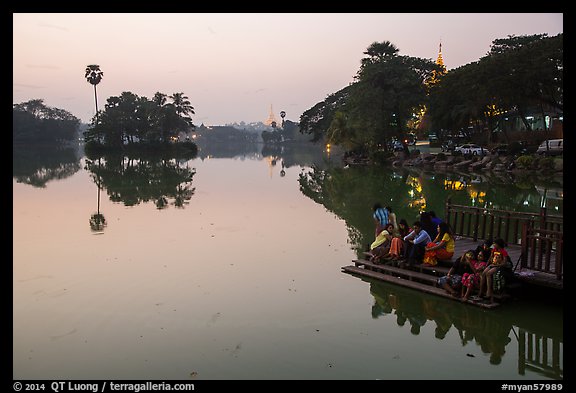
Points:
(416, 242)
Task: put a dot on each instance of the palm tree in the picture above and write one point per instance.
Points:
(159, 98)
(378, 52)
(183, 106)
(94, 76)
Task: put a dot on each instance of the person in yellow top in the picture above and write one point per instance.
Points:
(442, 247)
(381, 245)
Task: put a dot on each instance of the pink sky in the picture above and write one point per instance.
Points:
(234, 66)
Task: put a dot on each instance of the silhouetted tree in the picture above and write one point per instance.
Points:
(94, 75)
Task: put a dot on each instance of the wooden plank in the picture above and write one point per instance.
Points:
(436, 270)
(413, 285)
(392, 270)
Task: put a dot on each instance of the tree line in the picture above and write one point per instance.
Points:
(129, 119)
(392, 95)
(35, 123)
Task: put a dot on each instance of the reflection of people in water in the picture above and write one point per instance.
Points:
(438, 314)
(380, 309)
(488, 329)
(494, 336)
(381, 304)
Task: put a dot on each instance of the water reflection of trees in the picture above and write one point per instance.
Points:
(132, 180)
(491, 330)
(351, 192)
(302, 154)
(36, 165)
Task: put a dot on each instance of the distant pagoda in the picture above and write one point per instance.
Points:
(439, 60)
(271, 118)
(437, 75)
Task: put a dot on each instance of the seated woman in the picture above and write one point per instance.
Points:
(471, 281)
(496, 261)
(397, 243)
(486, 247)
(442, 247)
(381, 245)
(452, 281)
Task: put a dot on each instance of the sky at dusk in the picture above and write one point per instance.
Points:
(234, 66)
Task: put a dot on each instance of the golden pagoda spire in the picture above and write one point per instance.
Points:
(436, 75)
(271, 118)
(439, 60)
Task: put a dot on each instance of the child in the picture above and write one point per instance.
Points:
(471, 280)
(496, 262)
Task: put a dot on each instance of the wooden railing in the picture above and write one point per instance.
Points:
(540, 354)
(542, 250)
(540, 235)
(483, 223)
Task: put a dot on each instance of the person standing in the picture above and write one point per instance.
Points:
(435, 220)
(380, 216)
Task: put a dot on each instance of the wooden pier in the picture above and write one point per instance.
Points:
(424, 278)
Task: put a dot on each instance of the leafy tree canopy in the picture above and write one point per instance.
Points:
(33, 122)
(129, 119)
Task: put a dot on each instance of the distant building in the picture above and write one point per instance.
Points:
(271, 121)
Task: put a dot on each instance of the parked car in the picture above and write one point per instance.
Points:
(515, 148)
(470, 148)
(551, 147)
(433, 139)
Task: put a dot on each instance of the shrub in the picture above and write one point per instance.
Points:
(524, 162)
(546, 163)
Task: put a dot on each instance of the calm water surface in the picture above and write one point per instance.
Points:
(237, 275)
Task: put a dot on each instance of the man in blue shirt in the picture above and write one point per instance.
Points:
(380, 218)
(435, 220)
(416, 242)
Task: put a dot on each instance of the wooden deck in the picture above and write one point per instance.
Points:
(424, 278)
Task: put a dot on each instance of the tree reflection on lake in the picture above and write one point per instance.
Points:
(132, 180)
(351, 192)
(38, 165)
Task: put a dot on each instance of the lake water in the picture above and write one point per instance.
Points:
(235, 273)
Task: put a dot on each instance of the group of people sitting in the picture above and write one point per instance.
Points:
(428, 240)
(478, 270)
